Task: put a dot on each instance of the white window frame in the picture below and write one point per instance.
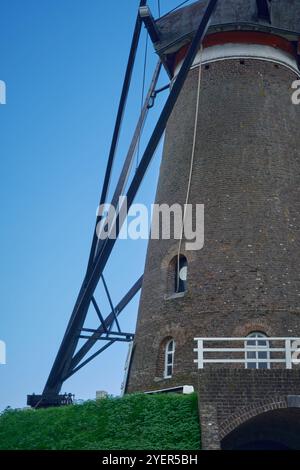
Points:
(257, 336)
(169, 358)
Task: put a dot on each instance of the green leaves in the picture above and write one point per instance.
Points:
(147, 422)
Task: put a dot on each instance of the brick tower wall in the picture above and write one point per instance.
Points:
(247, 174)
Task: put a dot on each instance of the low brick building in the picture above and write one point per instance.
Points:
(240, 294)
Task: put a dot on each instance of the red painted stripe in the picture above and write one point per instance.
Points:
(241, 37)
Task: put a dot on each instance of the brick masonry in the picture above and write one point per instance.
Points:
(228, 398)
(247, 174)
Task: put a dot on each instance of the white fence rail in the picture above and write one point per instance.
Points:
(253, 353)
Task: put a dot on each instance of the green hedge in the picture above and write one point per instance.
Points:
(156, 422)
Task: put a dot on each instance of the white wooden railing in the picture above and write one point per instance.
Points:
(277, 351)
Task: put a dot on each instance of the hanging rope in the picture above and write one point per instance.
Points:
(191, 165)
(176, 8)
(142, 98)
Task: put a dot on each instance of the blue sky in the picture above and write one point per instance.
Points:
(63, 62)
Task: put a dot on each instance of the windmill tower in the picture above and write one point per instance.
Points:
(225, 317)
(233, 144)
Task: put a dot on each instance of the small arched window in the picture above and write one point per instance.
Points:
(257, 349)
(181, 273)
(169, 359)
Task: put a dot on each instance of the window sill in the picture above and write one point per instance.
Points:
(161, 379)
(178, 295)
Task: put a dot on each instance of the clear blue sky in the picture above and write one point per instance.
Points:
(63, 62)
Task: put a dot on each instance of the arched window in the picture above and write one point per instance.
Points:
(257, 348)
(169, 359)
(181, 273)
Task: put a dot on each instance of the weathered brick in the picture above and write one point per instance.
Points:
(246, 278)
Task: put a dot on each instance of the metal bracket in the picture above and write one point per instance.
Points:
(149, 22)
(155, 93)
(264, 10)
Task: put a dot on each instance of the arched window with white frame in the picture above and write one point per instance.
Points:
(169, 359)
(257, 354)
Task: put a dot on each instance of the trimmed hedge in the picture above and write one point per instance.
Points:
(156, 422)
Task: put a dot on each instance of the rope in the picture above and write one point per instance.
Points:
(191, 164)
(176, 8)
(38, 403)
(142, 98)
